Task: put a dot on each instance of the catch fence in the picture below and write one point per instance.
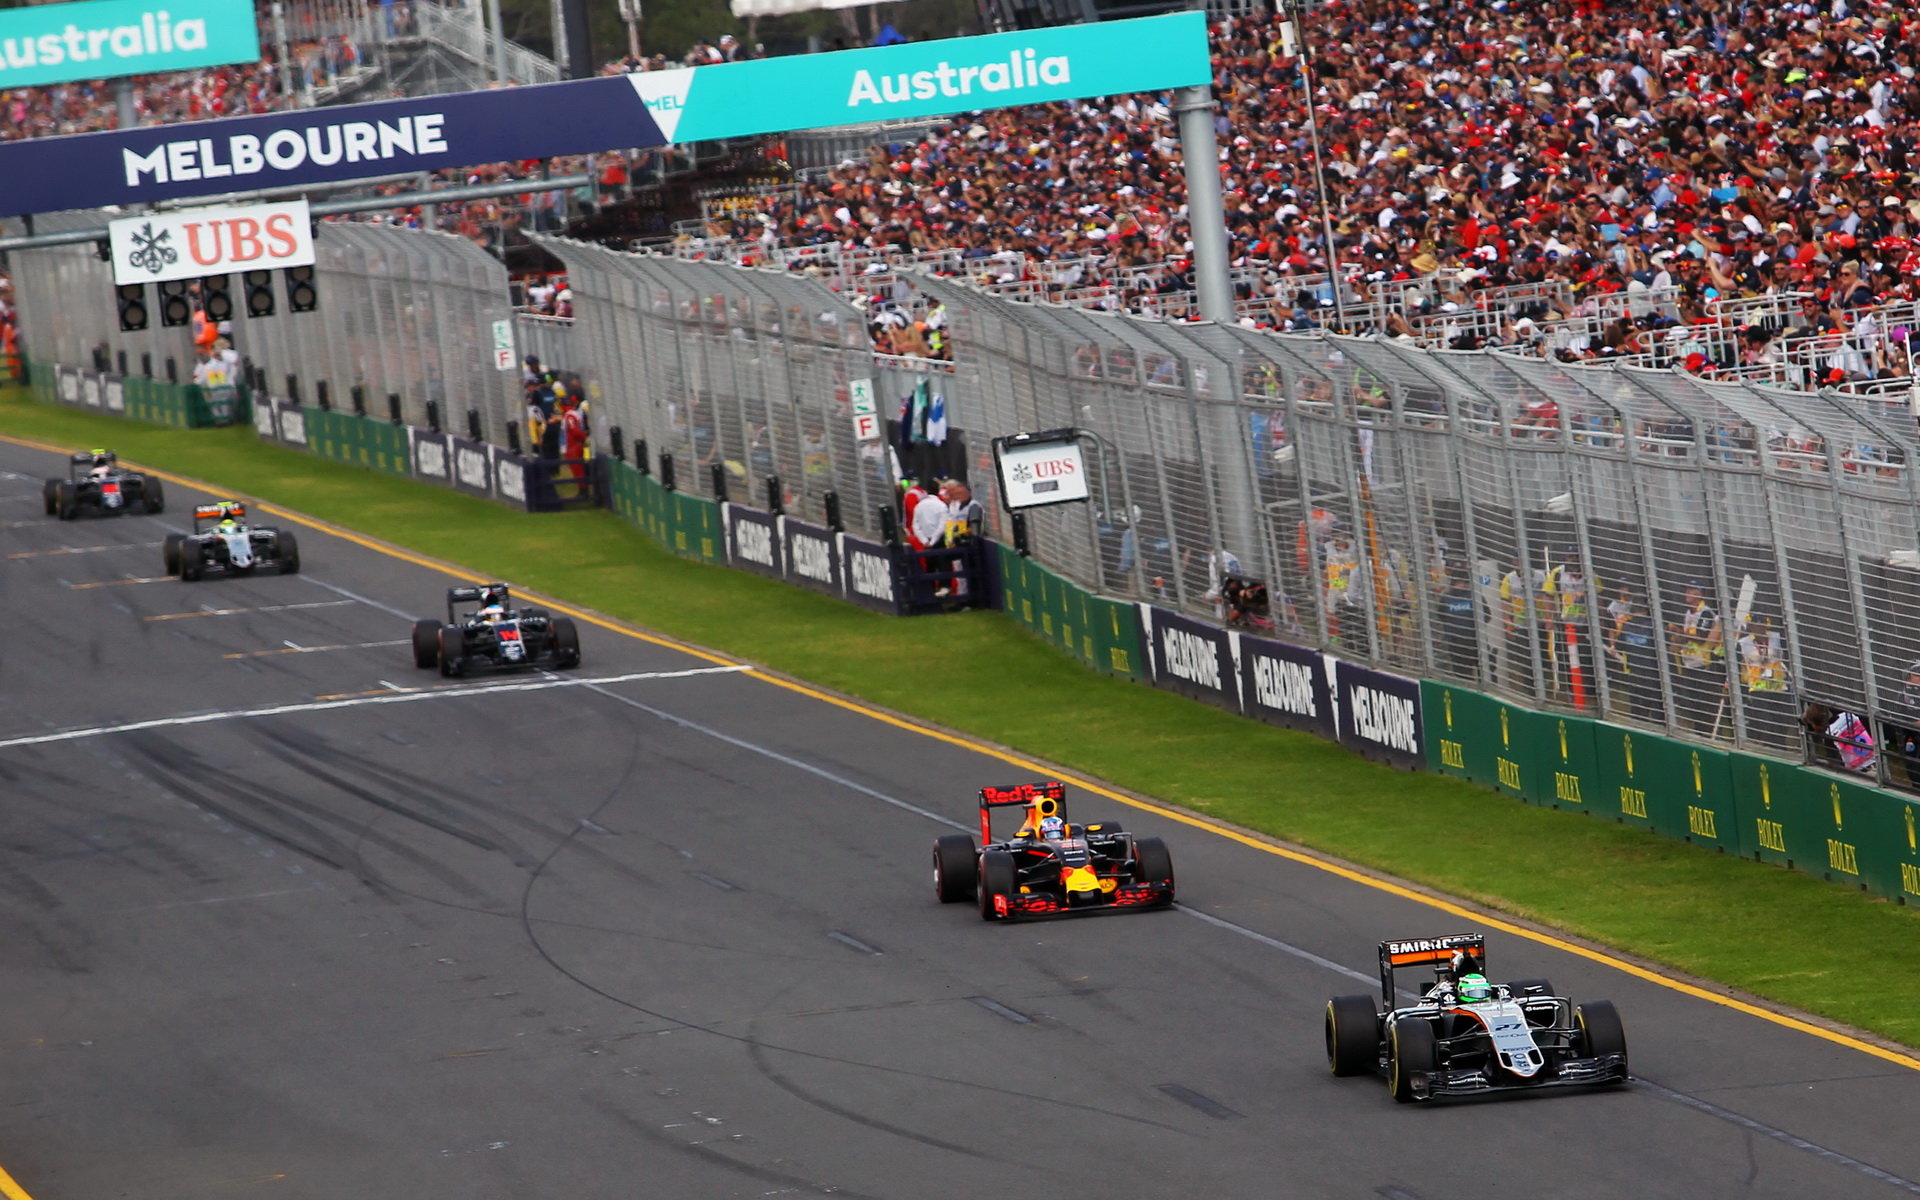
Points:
(1705, 557)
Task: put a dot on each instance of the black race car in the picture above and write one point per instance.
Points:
(1050, 865)
(1466, 1035)
(96, 483)
(222, 543)
(482, 626)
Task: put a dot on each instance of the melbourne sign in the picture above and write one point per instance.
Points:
(928, 79)
(582, 116)
(104, 39)
(1285, 685)
(210, 241)
(1379, 715)
(1190, 657)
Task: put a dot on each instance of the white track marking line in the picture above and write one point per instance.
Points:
(290, 648)
(73, 735)
(84, 549)
(121, 582)
(229, 612)
(337, 590)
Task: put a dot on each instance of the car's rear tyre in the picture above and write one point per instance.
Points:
(51, 494)
(66, 499)
(1353, 1035)
(156, 496)
(566, 643)
(1155, 863)
(956, 868)
(426, 643)
(998, 877)
(1522, 988)
(1600, 1030)
(453, 663)
(1412, 1051)
(170, 552)
(289, 553)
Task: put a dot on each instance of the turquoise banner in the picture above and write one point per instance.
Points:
(928, 79)
(102, 39)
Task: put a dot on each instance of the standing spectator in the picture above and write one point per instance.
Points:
(1459, 653)
(930, 515)
(1630, 651)
(1700, 652)
(573, 438)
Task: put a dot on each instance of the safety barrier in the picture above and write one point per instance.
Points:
(1101, 633)
(184, 406)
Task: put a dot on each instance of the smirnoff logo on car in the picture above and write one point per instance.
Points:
(1283, 685)
(472, 466)
(753, 542)
(870, 575)
(1191, 657)
(812, 559)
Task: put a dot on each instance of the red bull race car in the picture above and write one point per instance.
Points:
(1467, 1036)
(1050, 865)
(96, 483)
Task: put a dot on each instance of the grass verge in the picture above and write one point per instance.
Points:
(1769, 931)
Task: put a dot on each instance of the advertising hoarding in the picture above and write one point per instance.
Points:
(197, 242)
(106, 39)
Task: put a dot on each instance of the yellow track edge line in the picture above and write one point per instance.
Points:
(1785, 1021)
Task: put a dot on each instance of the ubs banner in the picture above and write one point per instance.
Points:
(1286, 685)
(1379, 715)
(810, 556)
(1190, 657)
(753, 540)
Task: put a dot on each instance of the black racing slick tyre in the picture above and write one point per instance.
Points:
(1412, 1053)
(1155, 862)
(956, 868)
(170, 552)
(1353, 1035)
(566, 642)
(426, 643)
(155, 495)
(66, 501)
(998, 877)
(191, 568)
(1522, 988)
(51, 494)
(289, 553)
(1600, 1030)
(453, 663)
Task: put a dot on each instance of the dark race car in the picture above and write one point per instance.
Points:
(222, 543)
(1467, 1036)
(1050, 865)
(97, 484)
(482, 628)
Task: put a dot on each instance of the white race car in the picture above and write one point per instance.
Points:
(1466, 1035)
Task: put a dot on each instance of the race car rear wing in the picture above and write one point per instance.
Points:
(222, 508)
(1045, 799)
(1436, 952)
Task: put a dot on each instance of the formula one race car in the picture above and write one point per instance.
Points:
(222, 543)
(482, 627)
(97, 483)
(1050, 865)
(1466, 1036)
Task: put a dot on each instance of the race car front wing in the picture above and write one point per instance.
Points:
(1126, 895)
(1573, 1072)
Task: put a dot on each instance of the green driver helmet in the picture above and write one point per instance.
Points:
(1475, 988)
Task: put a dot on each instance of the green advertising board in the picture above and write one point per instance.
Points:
(1104, 634)
(1827, 824)
(1679, 789)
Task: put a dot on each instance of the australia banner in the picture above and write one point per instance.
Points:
(584, 116)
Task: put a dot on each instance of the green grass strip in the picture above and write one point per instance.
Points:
(1773, 932)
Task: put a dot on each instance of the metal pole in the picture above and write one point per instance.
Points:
(1291, 41)
(499, 43)
(286, 51)
(123, 105)
(1206, 206)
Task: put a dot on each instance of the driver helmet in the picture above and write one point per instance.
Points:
(228, 525)
(1053, 828)
(1475, 988)
(102, 458)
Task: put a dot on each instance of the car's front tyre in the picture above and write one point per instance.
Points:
(1412, 1052)
(998, 877)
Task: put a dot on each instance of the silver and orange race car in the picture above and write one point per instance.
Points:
(1466, 1035)
(1050, 865)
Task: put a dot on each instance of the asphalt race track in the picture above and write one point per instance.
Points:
(660, 927)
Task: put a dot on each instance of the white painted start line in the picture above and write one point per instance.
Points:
(84, 550)
(296, 648)
(242, 714)
(232, 612)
